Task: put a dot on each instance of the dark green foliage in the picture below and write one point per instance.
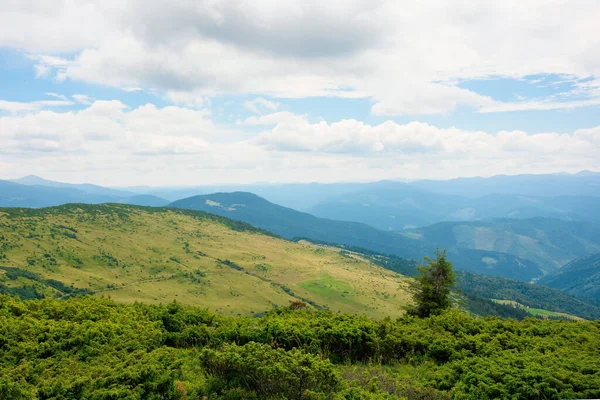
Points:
(98, 349)
(268, 372)
(230, 264)
(431, 289)
(486, 307)
(535, 296)
(29, 292)
(25, 292)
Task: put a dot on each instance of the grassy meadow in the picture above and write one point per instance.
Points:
(131, 253)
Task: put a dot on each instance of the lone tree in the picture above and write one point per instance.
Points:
(432, 287)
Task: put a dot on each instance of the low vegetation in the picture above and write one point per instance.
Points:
(96, 348)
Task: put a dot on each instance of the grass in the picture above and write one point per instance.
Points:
(539, 311)
(132, 253)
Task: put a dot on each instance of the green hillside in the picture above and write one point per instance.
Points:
(580, 277)
(290, 223)
(549, 243)
(479, 290)
(157, 255)
(528, 294)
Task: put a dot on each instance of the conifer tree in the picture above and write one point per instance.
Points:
(431, 289)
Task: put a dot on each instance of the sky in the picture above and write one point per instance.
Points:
(190, 92)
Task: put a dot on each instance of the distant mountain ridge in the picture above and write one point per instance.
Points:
(580, 277)
(550, 243)
(88, 188)
(34, 195)
(306, 196)
(289, 223)
(396, 206)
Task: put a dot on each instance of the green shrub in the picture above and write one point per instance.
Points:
(269, 372)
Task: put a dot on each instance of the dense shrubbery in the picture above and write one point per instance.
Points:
(97, 349)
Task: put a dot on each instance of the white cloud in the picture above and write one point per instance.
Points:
(17, 106)
(389, 139)
(261, 105)
(83, 98)
(110, 143)
(56, 95)
(405, 56)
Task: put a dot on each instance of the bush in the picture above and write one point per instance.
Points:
(269, 372)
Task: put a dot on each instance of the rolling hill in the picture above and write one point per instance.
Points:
(289, 223)
(478, 287)
(580, 277)
(157, 255)
(549, 243)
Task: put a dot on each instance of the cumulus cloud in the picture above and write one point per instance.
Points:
(407, 57)
(293, 133)
(109, 142)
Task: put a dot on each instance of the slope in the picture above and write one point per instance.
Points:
(549, 243)
(478, 286)
(157, 255)
(290, 223)
(580, 277)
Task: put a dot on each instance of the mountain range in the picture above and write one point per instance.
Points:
(521, 227)
(157, 255)
(35, 192)
(517, 249)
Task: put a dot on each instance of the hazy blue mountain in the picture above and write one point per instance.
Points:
(309, 196)
(14, 194)
(549, 243)
(580, 277)
(299, 196)
(145, 200)
(397, 206)
(33, 180)
(390, 205)
(585, 183)
(290, 223)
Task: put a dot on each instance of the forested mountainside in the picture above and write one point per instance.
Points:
(580, 277)
(547, 242)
